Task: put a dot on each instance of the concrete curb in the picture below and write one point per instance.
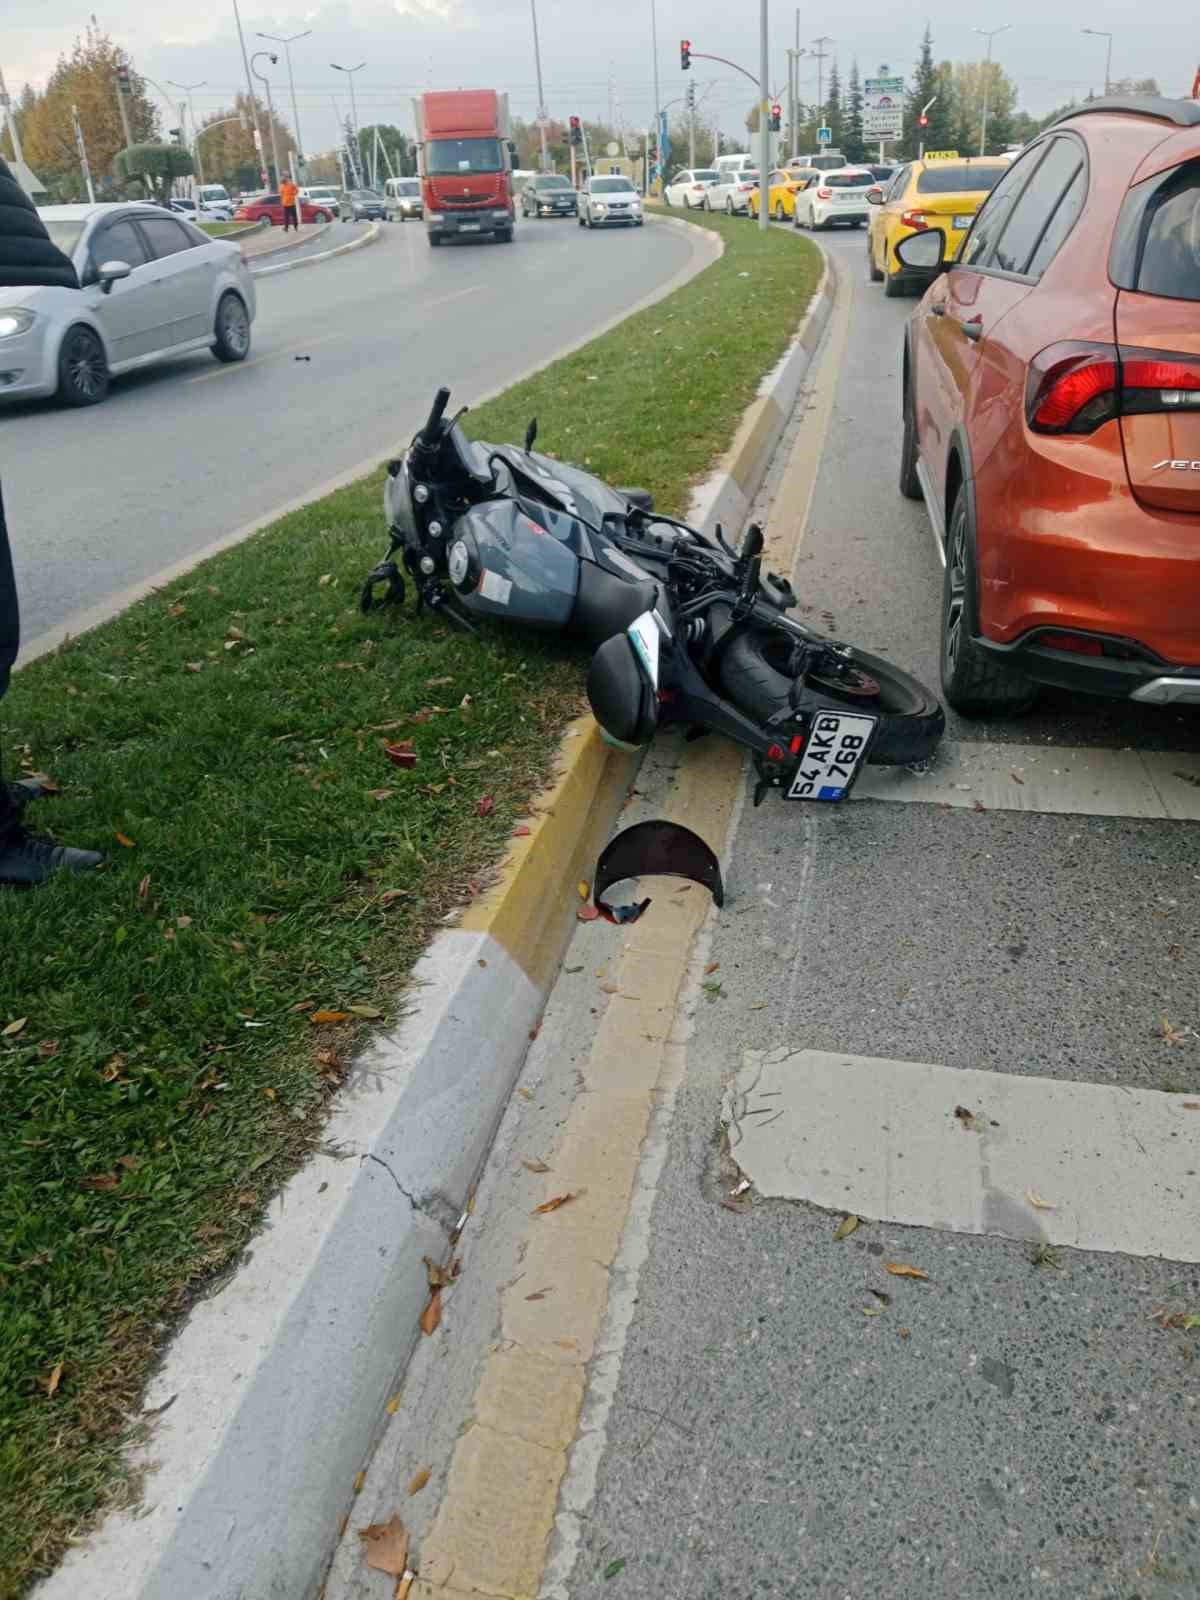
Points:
(272, 1397)
(372, 233)
(291, 244)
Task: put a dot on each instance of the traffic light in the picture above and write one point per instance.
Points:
(576, 131)
(123, 83)
(922, 121)
(685, 54)
(776, 115)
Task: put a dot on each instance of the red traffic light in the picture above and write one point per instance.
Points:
(922, 122)
(776, 111)
(574, 122)
(685, 54)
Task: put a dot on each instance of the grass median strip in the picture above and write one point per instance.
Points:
(172, 1028)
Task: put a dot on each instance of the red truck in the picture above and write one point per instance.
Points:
(465, 164)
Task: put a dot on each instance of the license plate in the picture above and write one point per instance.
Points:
(469, 227)
(837, 743)
(963, 223)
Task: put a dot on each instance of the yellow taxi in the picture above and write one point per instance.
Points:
(944, 190)
(783, 187)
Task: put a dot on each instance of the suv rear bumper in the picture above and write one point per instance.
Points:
(1132, 677)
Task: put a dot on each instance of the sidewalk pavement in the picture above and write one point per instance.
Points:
(273, 241)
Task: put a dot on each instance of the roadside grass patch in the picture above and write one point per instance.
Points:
(161, 1071)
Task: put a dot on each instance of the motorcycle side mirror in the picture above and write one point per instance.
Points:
(531, 433)
(752, 544)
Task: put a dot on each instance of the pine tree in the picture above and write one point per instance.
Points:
(926, 84)
(853, 142)
(834, 119)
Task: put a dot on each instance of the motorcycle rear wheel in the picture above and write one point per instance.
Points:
(754, 675)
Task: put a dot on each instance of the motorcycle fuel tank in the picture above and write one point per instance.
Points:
(504, 564)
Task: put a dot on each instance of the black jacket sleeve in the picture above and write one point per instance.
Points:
(27, 257)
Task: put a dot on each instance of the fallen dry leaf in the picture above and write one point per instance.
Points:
(194, 666)
(393, 1405)
(329, 1016)
(711, 968)
(130, 1163)
(582, 889)
(438, 1276)
(899, 1269)
(381, 794)
(370, 1012)
(418, 1482)
(535, 1166)
(1015, 779)
(143, 892)
(122, 840)
(846, 1227)
(540, 1294)
(967, 1118)
(551, 1205)
(48, 1048)
(979, 806)
(324, 579)
(387, 1546)
(526, 1094)
(52, 1379)
(437, 683)
(101, 1182)
(303, 1005)
(432, 1314)
(13, 1028)
(486, 806)
(400, 755)
(1036, 1201)
(871, 1311)
(183, 922)
(523, 832)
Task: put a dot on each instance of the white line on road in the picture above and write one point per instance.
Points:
(1059, 1163)
(1061, 780)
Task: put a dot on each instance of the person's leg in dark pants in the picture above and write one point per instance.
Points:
(290, 218)
(25, 862)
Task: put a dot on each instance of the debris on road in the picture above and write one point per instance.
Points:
(1036, 1201)
(652, 849)
(387, 1546)
(900, 1269)
(552, 1205)
(846, 1227)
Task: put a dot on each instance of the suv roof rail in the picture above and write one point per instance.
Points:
(1183, 113)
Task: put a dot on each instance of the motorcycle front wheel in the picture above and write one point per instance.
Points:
(754, 674)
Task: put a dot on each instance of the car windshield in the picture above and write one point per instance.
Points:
(952, 177)
(551, 183)
(368, 195)
(444, 156)
(611, 186)
(704, 177)
(64, 234)
(847, 180)
(408, 188)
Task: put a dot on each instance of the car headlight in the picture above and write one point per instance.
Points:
(14, 322)
(600, 206)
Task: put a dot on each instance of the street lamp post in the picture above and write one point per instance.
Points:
(658, 139)
(187, 89)
(764, 124)
(989, 35)
(258, 144)
(1100, 34)
(266, 82)
(537, 57)
(287, 44)
(350, 71)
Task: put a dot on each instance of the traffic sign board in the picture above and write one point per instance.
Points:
(824, 135)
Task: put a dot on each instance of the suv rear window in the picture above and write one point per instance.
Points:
(949, 177)
(846, 180)
(1156, 246)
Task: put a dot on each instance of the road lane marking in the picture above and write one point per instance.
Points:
(1059, 780)
(1113, 1169)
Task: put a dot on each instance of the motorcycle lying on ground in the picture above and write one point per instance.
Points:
(685, 628)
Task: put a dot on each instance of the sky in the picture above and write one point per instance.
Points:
(593, 55)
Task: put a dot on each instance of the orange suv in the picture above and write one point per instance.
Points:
(1052, 415)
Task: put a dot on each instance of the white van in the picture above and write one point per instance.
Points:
(212, 194)
(402, 197)
(824, 160)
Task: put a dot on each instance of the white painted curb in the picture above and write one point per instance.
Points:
(360, 243)
(272, 1396)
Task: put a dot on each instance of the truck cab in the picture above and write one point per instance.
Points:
(465, 164)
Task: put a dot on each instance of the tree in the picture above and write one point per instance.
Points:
(403, 155)
(927, 83)
(833, 107)
(969, 80)
(853, 143)
(86, 79)
(227, 154)
(155, 166)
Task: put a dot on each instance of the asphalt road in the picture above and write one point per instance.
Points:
(1007, 1429)
(183, 454)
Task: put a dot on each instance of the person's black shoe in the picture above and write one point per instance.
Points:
(27, 863)
(25, 790)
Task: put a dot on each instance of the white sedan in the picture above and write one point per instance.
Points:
(687, 189)
(836, 197)
(731, 192)
(204, 212)
(607, 200)
(152, 287)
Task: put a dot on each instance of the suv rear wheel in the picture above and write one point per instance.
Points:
(971, 681)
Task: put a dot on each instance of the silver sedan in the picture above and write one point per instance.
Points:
(152, 287)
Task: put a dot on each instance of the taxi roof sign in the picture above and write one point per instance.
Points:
(942, 155)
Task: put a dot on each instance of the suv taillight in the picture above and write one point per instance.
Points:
(824, 194)
(1074, 387)
(915, 220)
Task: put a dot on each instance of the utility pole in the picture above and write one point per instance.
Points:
(764, 124)
(989, 35)
(273, 59)
(350, 71)
(83, 157)
(1101, 34)
(691, 124)
(657, 97)
(6, 107)
(258, 143)
(187, 89)
(287, 52)
(537, 57)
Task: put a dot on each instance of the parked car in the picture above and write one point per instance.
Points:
(549, 195)
(361, 205)
(153, 287)
(269, 208)
(940, 192)
(784, 185)
(687, 188)
(732, 190)
(826, 159)
(1051, 396)
(402, 197)
(608, 199)
(187, 207)
(882, 172)
(835, 197)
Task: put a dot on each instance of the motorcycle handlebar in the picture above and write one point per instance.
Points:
(430, 434)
